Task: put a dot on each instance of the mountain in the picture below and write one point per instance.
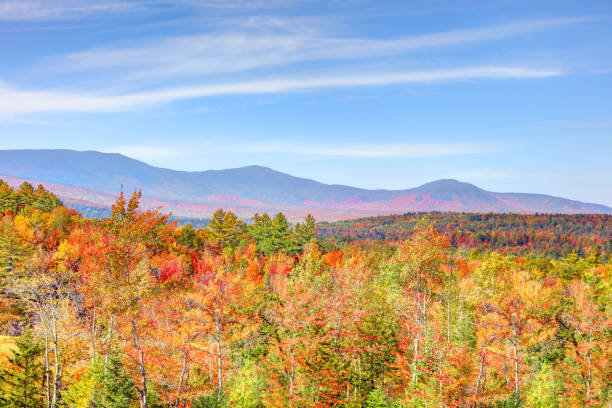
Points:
(93, 179)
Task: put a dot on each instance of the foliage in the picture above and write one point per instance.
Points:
(21, 378)
(133, 310)
(540, 235)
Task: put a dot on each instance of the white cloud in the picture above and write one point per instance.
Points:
(55, 10)
(61, 10)
(15, 101)
(146, 152)
(487, 174)
(376, 150)
(270, 44)
(199, 148)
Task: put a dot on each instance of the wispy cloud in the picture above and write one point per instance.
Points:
(15, 101)
(487, 174)
(58, 10)
(61, 10)
(375, 150)
(271, 44)
(146, 152)
(190, 148)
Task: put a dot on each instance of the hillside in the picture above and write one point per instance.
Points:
(92, 179)
(542, 235)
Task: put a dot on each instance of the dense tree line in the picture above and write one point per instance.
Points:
(543, 235)
(132, 310)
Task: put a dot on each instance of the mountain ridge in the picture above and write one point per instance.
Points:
(80, 174)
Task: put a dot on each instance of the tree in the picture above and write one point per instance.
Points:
(115, 268)
(115, 388)
(8, 200)
(225, 228)
(376, 399)
(13, 249)
(588, 363)
(220, 299)
(21, 381)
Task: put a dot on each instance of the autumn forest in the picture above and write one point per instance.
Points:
(419, 310)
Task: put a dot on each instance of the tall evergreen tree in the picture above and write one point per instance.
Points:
(116, 389)
(12, 249)
(225, 228)
(22, 379)
(376, 399)
(8, 200)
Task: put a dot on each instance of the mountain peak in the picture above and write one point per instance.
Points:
(257, 188)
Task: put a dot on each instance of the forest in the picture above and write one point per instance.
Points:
(543, 235)
(132, 310)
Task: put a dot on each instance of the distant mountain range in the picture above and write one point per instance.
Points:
(93, 179)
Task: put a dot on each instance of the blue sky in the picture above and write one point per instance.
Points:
(508, 95)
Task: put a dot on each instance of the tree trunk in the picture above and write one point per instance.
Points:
(516, 361)
(219, 364)
(143, 372)
(414, 359)
(56, 373)
(480, 376)
(93, 336)
(589, 372)
(183, 371)
(47, 370)
(450, 288)
(292, 375)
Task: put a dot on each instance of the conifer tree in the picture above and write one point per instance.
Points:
(116, 390)
(21, 381)
(12, 249)
(226, 229)
(8, 201)
(376, 399)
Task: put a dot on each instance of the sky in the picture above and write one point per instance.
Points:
(513, 96)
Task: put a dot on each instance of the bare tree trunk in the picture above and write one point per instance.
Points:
(210, 360)
(480, 376)
(589, 372)
(516, 361)
(450, 288)
(414, 359)
(143, 372)
(56, 373)
(183, 371)
(292, 375)
(219, 364)
(109, 339)
(47, 369)
(93, 336)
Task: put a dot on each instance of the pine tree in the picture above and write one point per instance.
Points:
(226, 229)
(21, 381)
(8, 200)
(45, 200)
(117, 389)
(12, 250)
(25, 195)
(376, 399)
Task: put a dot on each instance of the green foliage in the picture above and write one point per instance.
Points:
(276, 235)
(189, 237)
(115, 389)
(209, 401)
(13, 250)
(377, 399)
(21, 380)
(245, 388)
(103, 385)
(25, 197)
(226, 229)
(80, 394)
